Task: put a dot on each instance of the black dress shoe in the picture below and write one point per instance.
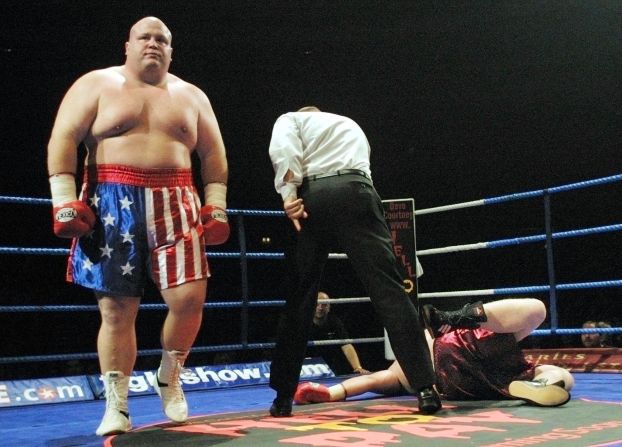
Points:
(281, 408)
(429, 400)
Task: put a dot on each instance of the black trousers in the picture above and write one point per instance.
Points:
(347, 210)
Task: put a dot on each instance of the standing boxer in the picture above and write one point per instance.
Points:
(322, 172)
(139, 215)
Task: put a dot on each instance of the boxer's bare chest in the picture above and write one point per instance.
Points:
(145, 109)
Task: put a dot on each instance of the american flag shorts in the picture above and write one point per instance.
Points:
(148, 223)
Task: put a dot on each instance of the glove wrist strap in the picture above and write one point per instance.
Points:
(216, 195)
(63, 188)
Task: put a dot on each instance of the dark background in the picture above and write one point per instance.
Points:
(459, 100)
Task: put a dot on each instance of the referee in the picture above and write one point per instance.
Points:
(322, 172)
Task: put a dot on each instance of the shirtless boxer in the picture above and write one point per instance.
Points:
(480, 361)
(139, 215)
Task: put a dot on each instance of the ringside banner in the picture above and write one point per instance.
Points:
(599, 360)
(65, 389)
(217, 376)
(15, 393)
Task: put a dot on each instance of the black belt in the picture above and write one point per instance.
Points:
(336, 173)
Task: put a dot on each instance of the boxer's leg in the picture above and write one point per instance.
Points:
(185, 311)
(116, 346)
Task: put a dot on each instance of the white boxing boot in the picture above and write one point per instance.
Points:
(116, 419)
(539, 392)
(168, 387)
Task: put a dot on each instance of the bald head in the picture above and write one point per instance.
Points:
(321, 309)
(147, 22)
(148, 50)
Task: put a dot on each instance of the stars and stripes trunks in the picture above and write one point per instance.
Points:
(148, 223)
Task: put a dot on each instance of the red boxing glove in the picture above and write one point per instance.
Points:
(311, 392)
(215, 224)
(72, 219)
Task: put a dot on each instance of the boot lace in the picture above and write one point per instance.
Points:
(113, 399)
(175, 390)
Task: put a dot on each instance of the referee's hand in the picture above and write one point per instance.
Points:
(295, 210)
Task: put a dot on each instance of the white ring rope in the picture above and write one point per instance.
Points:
(520, 240)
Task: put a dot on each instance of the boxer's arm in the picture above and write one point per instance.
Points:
(214, 173)
(210, 146)
(71, 218)
(74, 118)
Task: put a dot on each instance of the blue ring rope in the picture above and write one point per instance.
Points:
(523, 289)
(239, 346)
(567, 286)
(277, 302)
(41, 201)
(150, 306)
(162, 306)
(65, 252)
(554, 190)
(571, 331)
(558, 235)
(158, 351)
(280, 255)
(520, 195)
(486, 201)
(211, 254)
(520, 240)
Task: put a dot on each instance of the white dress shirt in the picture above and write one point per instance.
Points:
(310, 143)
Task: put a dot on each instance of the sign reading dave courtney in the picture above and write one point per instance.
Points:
(400, 217)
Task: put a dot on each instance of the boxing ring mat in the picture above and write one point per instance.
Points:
(239, 417)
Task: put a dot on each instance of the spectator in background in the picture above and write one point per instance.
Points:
(328, 326)
(595, 339)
